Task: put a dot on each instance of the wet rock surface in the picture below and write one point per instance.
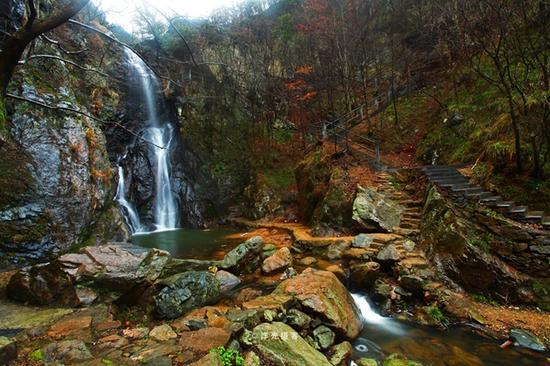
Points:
(371, 207)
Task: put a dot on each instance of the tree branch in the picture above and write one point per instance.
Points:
(57, 44)
(76, 111)
(53, 57)
(32, 14)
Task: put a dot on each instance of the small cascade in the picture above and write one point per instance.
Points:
(371, 317)
(128, 209)
(160, 133)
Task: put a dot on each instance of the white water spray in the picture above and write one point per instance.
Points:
(128, 209)
(166, 215)
(370, 316)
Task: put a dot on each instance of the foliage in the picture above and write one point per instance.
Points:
(37, 355)
(229, 357)
(435, 314)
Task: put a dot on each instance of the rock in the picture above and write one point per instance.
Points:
(86, 296)
(71, 326)
(323, 336)
(356, 253)
(245, 257)
(289, 273)
(279, 344)
(106, 326)
(414, 284)
(298, 319)
(69, 351)
(162, 333)
(280, 260)
(211, 359)
(363, 275)
(389, 253)
(542, 249)
(399, 360)
(112, 341)
(252, 359)
(190, 290)
(308, 261)
(409, 245)
(527, 339)
(340, 354)
(338, 271)
(371, 207)
(268, 250)
(336, 250)
(247, 294)
(382, 289)
(322, 292)
(362, 241)
(8, 352)
(366, 362)
(43, 284)
(113, 266)
(203, 340)
(228, 281)
(152, 350)
(136, 333)
(275, 301)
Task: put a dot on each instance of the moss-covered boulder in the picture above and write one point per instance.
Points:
(279, 344)
(322, 293)
(189, 291)
(372, 208)
(245, 257)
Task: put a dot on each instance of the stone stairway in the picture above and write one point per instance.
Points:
(450, 179)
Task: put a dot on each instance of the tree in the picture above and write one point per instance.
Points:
(13, 44)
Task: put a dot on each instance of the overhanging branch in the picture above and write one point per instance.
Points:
(76, 111)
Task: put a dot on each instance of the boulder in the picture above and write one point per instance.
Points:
(362, 241)
(203, 340)
(337, 250)
(228, 281)
(308, 261)
(389, 254)
(162, 333)
(371, 207)
(245, 257)
(279, 344)
(340, 354)
(281, 259)
(363, 275)
(43, 284)
(323, 293)
(188, 291)
(298, 319)
(324, 336)
(114, 266)
(211, 359)
(70, 352)
(527, 339)
(414, 284)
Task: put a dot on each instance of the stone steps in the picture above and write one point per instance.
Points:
(450, 178)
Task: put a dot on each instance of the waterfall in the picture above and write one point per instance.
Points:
(371, 317)
(128, 210)
(160, 134)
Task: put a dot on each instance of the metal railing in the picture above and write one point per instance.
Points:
(339, 130)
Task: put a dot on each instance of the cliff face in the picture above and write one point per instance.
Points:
(58, 175)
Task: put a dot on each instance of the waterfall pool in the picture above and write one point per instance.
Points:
(191, 243)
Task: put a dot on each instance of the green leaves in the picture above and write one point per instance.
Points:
(229, 357)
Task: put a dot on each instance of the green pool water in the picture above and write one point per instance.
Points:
(191, 243)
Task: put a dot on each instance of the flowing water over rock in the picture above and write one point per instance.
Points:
(458, 345)
(159, 134)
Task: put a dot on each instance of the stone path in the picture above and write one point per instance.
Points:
(460, 187)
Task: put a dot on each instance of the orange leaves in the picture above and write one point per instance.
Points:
(304, 70)
(307, 96)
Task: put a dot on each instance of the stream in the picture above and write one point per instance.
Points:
(456, 346)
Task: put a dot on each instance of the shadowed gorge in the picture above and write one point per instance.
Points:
(275, 182)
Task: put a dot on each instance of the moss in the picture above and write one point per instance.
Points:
(37, 355)
(435, 314)
(15, 178)
(30, 233)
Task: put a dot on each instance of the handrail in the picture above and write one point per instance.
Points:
(334, 127)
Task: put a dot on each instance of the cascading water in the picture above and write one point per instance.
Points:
(160, 135)
(128, 209)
